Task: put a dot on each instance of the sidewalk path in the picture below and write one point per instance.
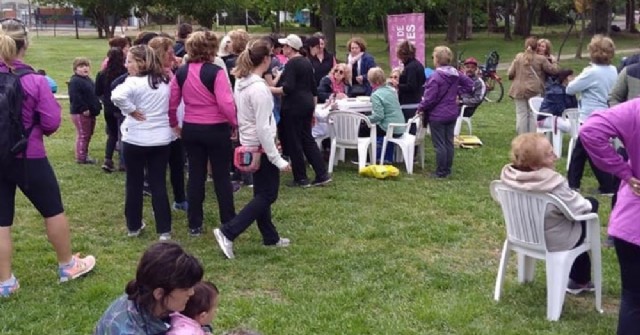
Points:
(505, 66)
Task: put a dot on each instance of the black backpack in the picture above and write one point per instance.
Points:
(13, 136)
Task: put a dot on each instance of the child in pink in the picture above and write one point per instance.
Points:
(197, 316)
(85, 106)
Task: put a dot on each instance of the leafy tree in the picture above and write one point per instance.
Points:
(104, 14)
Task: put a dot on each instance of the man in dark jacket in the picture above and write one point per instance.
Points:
(473, 99)
(184, 30)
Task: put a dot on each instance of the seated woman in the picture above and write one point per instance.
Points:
(532, 168)
(336, 84)
(385, 108)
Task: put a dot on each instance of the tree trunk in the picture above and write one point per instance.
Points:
(522, 18)
(583, 27)
(600, 13)
(492, 23)
(630, 16)
(328, 22)
(452, 22)
(507, 20)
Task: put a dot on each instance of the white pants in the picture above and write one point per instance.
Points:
(525, 119)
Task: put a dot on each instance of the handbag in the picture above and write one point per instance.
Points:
(358, 90)
(247, 159)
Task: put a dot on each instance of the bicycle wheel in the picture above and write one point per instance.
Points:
(495, 90)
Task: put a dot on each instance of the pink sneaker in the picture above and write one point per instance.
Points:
(79, 267)
(8, 290)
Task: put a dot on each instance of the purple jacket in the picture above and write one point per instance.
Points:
(440, 93)
(38, 99)
(622, 121)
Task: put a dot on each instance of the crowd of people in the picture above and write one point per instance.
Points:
(189, 101)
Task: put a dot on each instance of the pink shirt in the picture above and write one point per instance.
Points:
(200, 106)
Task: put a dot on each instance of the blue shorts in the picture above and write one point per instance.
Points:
(37, 181)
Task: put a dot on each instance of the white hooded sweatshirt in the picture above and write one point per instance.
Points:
(256, 124)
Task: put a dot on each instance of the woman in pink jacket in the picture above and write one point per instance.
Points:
(209, 118)
(623, 122)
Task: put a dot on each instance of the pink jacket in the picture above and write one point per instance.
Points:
(200, 106)
(182, 325)
(621, 121)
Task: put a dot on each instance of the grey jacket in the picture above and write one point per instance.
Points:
(627, 86)
(560, 232)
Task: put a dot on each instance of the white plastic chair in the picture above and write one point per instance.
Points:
(344, 128)
(524, 218)
(556, 134)
(462, 118)
(573, 115)
(406, 143)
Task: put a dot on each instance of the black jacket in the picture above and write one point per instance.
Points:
(321, 69)
(82, 95)
(103, 91)
(411, 82)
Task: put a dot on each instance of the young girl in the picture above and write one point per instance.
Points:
(164, 283)
(394, 77)
(144, 99)
(41, 114)
(257, 128)
(85, 106)
(199, 313)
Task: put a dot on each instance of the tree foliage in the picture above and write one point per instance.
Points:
(105, 14)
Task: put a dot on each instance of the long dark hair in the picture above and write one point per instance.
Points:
(115, 64)
(163, 265)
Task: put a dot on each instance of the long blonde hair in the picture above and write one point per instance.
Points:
(148, 64)
(13, 38)
(251, 58)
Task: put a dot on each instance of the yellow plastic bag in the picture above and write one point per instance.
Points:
(379, 171)
(467, 141)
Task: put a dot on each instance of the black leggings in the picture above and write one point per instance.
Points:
(208, 144)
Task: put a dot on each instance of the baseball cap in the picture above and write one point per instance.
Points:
(292, 40)
(471, 60)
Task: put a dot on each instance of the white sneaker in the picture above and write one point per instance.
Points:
(225, 245)
(282, 242)
(136, 233)
(164, 237)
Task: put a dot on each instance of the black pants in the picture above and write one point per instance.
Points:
(265, 192)
(579, 157)
(408, 114)
(629, 259)
(442, 139)
(581, 268)
(155, 160)
(208, 144)
(176, 170)
(112, 134)
(299, 143)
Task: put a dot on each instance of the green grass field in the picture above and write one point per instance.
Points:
(406, 256)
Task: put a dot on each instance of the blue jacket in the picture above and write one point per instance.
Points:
(366, 63)
(441, 92)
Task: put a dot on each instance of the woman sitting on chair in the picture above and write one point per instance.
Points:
(532, 169)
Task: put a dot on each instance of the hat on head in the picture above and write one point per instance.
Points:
(292, 40)
(471, 60)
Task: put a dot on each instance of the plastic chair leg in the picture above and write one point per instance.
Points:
(526, 268)
(501, 270)
(458, 127)
(468, 120)
(384, 150)
(332, 157)
(557, 143)
(572, 144)
(362, 157)
(557, 279)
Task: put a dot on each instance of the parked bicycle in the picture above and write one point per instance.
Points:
(494, 88)
(493, 82)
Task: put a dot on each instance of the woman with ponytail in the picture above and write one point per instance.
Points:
(528, 72)
(257, 128)
(144, 100)
(164, 283)
(30, 170)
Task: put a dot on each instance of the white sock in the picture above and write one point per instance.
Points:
(9, 282)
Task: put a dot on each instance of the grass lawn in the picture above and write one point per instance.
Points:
(405, 256)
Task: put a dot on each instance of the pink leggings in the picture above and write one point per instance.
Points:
(85, 126)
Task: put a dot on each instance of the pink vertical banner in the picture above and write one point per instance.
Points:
(405, 27)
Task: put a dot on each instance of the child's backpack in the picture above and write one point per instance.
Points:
(13, 136)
